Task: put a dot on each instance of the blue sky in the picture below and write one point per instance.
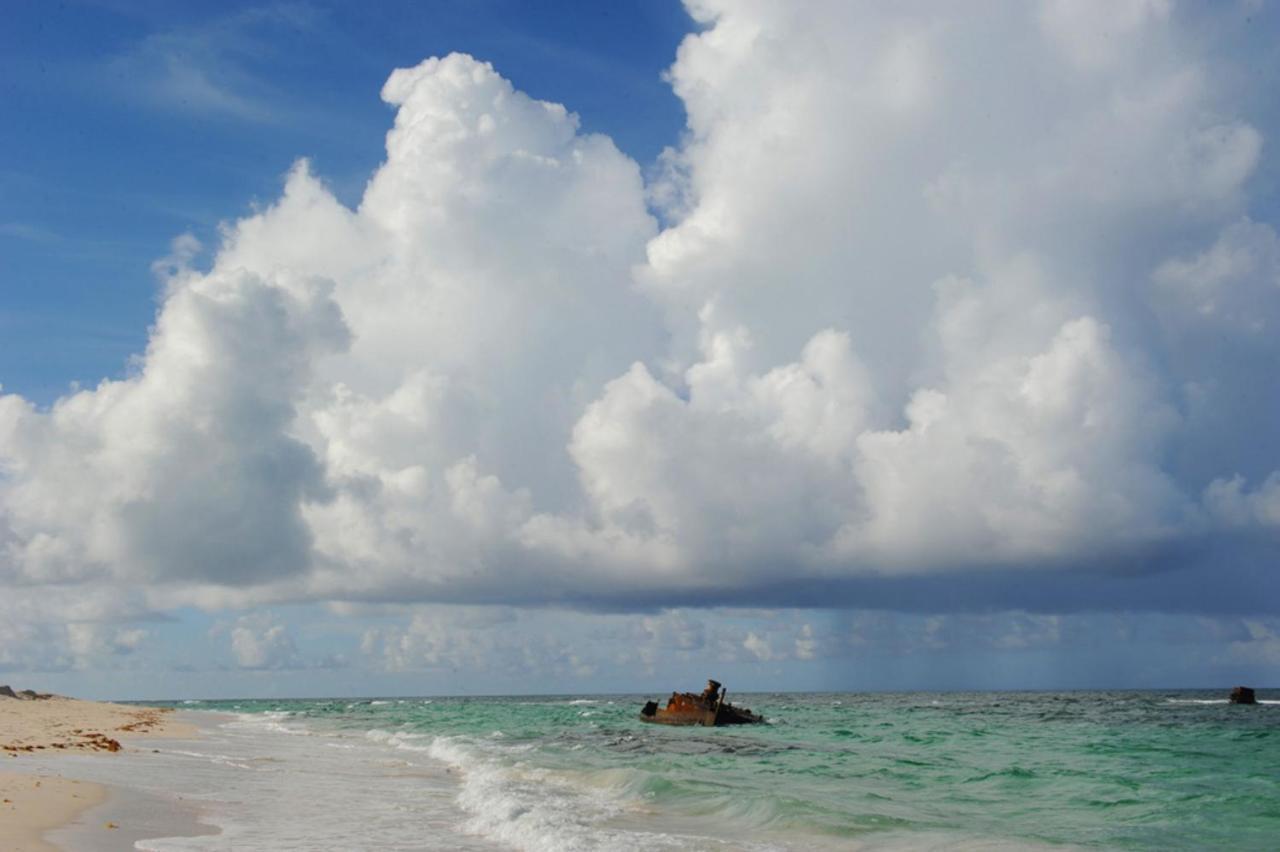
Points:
(612, 346)
(135, 122)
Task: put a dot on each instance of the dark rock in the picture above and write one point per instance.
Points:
(7, 692)
(29, 694)
(1243, 695)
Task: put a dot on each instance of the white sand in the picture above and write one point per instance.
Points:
(59, 724)
(35, 802)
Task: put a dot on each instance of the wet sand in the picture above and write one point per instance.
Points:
(36, 798)
(31, 804)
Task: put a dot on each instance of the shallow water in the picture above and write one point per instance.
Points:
(1157, 770)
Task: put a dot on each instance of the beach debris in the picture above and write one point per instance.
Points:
(101, 742)
(144, 722)
(111, 825)
(1243, 695)
(62, 737)
(707, 708)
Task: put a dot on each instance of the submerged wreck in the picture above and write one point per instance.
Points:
(708, 709)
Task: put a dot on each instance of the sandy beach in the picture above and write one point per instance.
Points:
(33, 799)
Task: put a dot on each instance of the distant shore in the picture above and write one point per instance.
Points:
(36, 798)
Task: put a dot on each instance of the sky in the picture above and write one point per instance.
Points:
(488, 347)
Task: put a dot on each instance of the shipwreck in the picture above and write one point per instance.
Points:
(707, 708)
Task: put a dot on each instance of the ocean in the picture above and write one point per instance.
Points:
(1097, 770)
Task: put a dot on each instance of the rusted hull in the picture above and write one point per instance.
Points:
(708, 710)
(664, 717)
(706, 718)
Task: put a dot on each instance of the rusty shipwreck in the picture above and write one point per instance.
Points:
(707, 708)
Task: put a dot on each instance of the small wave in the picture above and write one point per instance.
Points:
(399, 739)
(1016, 773)
(270, 720)
(536, 809)
(580, 701)
(378, 703)
(220, 759)
(1215, 701)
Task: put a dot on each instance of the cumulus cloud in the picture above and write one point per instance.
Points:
(1262, 647)
(62, 628)
(560, 646)
(477, 639)
(88, 643)
(257, 643)
(759, 648)
(936, 298)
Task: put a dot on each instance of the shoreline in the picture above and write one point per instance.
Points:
(45, 807)
(138, 816)
(35, 804)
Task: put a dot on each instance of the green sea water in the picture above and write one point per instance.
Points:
(1123, 770)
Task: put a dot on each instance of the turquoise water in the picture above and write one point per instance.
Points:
(1148, 770)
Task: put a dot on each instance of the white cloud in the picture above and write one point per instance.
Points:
(481, 639)
(1260, 648)
(759, 648)
(1230, 287)
(1234, 504)
(926, 303)
(1097, 33)
(806, 644)
(210, 69)
(257, 643)
(89, 642)
(58, 628)
(188, 469)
